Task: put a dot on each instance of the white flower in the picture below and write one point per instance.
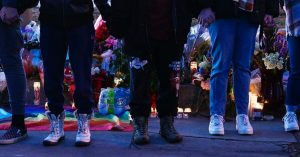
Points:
(92, 71)
(118, 81)
(273, 61)
(97, 70)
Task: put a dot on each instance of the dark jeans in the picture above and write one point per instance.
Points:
(161, 57)
(293, 86)
(10, 44)
(55, 43)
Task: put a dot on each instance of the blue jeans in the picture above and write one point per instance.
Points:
(10, 44)
(55, 42)
(293, 86)
(233, 43)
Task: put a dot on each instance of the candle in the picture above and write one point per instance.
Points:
(153, 112)
(187, 112)
(255, 108)
(180, 113)
(194, 66)
(36, 89)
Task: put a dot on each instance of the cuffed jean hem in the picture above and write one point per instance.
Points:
(292, 108)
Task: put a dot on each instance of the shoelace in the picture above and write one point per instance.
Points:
(83, 126)
(54, 128)
(216, 120)
(244, 120)
(290, 117)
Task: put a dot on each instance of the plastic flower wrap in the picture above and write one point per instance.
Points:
(272, 52)
(102, 32)
(205, 68)
(113, 101)
(203, 74)
(197, 36)
(31, 35)
(3, 83)
(107, 56)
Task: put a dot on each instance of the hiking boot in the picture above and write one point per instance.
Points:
(168, 131)
(83, 136)
(56, 129)
(13, 135)
(140, 134)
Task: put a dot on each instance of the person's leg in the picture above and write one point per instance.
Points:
(244, 49)
(292, 94)
(81, 42)
(222, 34)
(243, 52)
(54, 50)
(11, 43)
(140, 99)
(166, 58)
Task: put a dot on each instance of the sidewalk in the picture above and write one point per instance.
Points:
(269, 141)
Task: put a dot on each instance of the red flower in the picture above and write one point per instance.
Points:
(102, 31)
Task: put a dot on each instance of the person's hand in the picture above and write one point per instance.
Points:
(206, 17)
(269, 21)
(9, 15)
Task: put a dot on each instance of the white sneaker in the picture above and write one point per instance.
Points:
(216, 126)
(83, 137)
(56, 129)
(290, 122)
(243, 125)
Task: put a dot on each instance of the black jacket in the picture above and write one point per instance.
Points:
(126, 19)
(227, 9)
(67, 13)
(21, 5)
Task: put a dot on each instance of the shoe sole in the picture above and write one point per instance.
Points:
(82, 144)
(217, 133)
(143, 141)
(172, 141)
(245, 132)
(50, 143)
(294, 129)
(178, 140)
(14, 140)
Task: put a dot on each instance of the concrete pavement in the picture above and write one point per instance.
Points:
(269, 141)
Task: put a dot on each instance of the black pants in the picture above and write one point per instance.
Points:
(163, 54)
(55, 43)
(11, 42)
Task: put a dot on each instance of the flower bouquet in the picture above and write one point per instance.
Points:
(271, 58)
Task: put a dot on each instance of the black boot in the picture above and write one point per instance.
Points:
(168, 131)
(140, 134)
